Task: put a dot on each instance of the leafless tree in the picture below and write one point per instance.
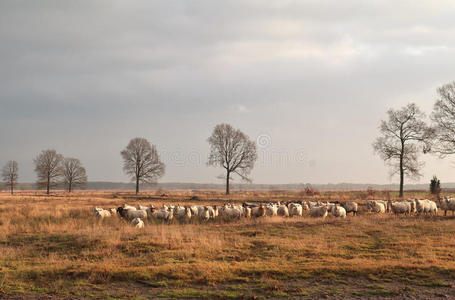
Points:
(73, 173)
(141, 162)
(443, 117)
(10, 174)
(47, 168)
(233, 150)
(401, 135)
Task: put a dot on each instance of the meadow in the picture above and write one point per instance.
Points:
(52, 246)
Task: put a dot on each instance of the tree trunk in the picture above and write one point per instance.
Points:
(69, 187)
(227, 182)
(48, 185)
(12, 188)
(137, 185)
(401, 170)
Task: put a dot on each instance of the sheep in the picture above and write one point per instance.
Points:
(259, 211)
(229, 213)
(295, 209)
(312, 204)
(305, 206)
(400, 207)
(204, 214)
(101, 213)
(447, 204)
(378, 207)
(246, 212)
(283, 211)
(372, 203)
(318, 211)
(350, 207)
(412, 202)
(338, 211)
(213, 211)
(130, 214)
(182, 212)
(137, 222)
(160, 214)
(142, 207)
(426, 206)
(271, 210)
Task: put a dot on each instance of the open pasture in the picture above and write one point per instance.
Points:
(53, 246)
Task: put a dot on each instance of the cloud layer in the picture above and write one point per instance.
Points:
(315, 77)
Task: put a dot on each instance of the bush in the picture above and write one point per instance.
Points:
(435, 186)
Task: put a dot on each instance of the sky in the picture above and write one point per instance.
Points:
(309, 81)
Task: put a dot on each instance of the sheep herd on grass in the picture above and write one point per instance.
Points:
(231, 212)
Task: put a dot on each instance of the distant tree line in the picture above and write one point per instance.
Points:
(230, 149)
(403, 136)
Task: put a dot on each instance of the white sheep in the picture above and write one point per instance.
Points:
(271, 210)
(283, 211)
(426, 206)
(378, 207)
(318, 211)
(400, 207)
(446, 204)
(338, 211)
(295, 209)
(160, 214)
(137, 222)
(182, 212)
(101, 213)
(229, 213)
(204, 214)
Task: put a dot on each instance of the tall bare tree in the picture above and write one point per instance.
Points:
(443, 117)
(73, 173)
(141, 162)
(233, 150)
(401, 135)
(47, 168)
(10, 174)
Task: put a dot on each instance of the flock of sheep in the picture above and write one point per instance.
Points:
(230, 212)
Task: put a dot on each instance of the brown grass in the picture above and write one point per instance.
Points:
(52, 245)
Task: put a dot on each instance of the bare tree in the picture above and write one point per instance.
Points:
(47, 168)
(141, 162)
(10, 174)
(401, 135)
(73, 173)
(233, 150)
(443, 117)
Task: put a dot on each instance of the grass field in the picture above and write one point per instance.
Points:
(52, 246)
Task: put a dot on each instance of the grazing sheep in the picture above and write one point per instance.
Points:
(137, 222)
(295, 209)
(426, 206)
(338, 211)
(259, 211)
(229, 213)
(378, 207)
(400, 207)
(213, 211)
(182, 212)
(204, 215)
(283, 211)
(446, 204)
(350, 207)
(372, 203)
(271, 210)
(160, 214)
(130, 214)
(101, 213)
(318, 212)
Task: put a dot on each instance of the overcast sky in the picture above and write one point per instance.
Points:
(309, 80)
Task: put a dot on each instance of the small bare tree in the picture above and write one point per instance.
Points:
(400, 137)
(141, 162)
(47, 168)
(10, 175)
(233, 150)
(443, 117)
(73, 173)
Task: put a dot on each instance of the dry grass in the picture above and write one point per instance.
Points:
(52, 245)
